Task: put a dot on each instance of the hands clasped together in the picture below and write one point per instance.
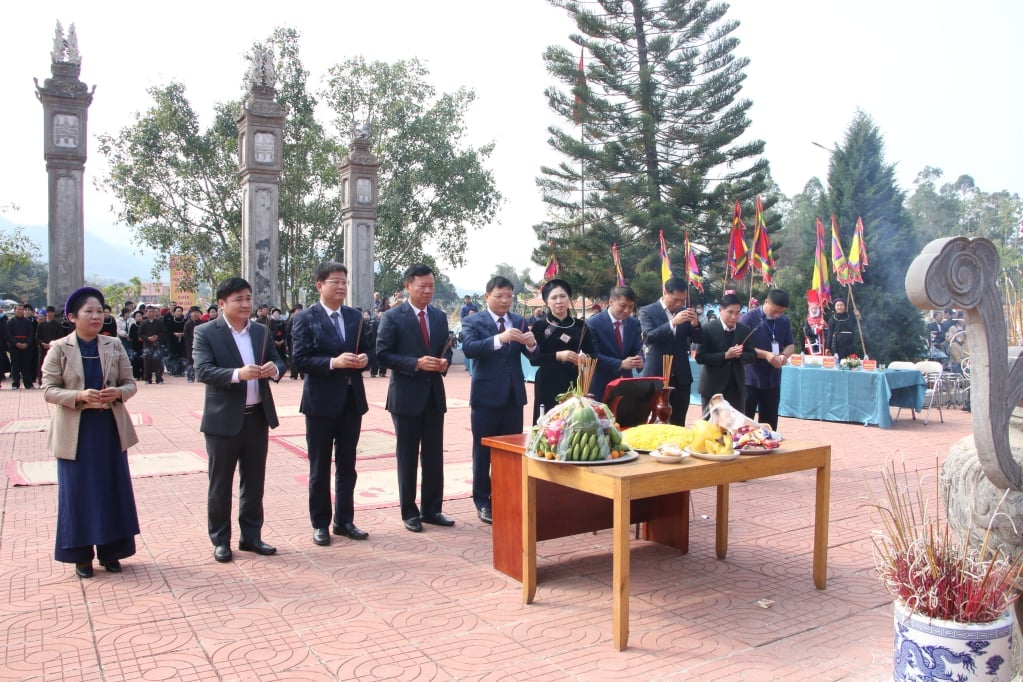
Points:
(97, 398)
(349, 361)
(264, 371)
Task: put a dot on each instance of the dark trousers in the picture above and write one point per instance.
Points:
(152, 364)
(247, 451)
(21, 367)
(679, 401)
(764, 400)
(111, 551)
(420, 438)
(340, 436)
(486, 422)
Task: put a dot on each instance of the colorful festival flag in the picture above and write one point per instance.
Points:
(838, 261)
(665, 263)
(618, 264)
(737, 263)
(820, 282)
(762, 256)
(858, 253)
(579, 106)
(692, 267)
(552, 269)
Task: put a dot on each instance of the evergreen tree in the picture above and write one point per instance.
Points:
(861, 184)
(657, 145)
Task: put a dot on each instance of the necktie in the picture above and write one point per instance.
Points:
(618, 335)
(500, 325)
(336, 317)
(423, 328)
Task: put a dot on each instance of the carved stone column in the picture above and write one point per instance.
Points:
(359, 200)
(65, 99)
(260, 150)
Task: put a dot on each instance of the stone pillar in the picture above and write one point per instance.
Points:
(65, 99)
(359, 198)
(260, 151)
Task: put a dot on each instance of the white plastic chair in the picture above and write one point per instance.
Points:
(933, 374)
(902, 364)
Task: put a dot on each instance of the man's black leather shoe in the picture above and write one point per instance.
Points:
(84, 569)
(414, 525)
(112, 566)
(259, 547)
(321, 537)
(439, 519)
(350, 530)
(222, 553)
(486, 516)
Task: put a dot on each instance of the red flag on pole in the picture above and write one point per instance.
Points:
(618, 264)
(763, 257)
(737, 263)
(821, 283)
(579, 106)
(692, 267)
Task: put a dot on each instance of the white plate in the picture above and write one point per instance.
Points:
(757, 451)
(627, 457)
(667, 459)
(713, 458)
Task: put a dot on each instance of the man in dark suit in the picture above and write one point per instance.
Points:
(413, 342)
(669, 327)
(236, 360)
(725, 348)
(494, 340)
(330, 343)
(617, 337)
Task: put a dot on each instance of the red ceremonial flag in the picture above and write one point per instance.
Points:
(762, 257)
(618, 264)
(842, 271)
(737, 263)
(552, 269)
(692, 267)
(820, 268)
(579, 106)
(665, 263)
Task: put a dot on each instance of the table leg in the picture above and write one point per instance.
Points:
(621, 560)
(528, 535)
(721, 525)
(820, 526)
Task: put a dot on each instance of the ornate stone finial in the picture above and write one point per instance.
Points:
(362, 131)
(73, 55)
(57, 53)
(65, 50)
(962, 273)
(261, 70)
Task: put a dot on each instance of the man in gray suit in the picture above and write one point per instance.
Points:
(235, 358)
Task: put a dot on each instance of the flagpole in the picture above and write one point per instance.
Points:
(852, 300)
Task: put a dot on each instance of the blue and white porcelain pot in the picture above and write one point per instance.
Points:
(934, 649)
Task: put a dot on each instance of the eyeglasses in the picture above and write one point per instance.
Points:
(337, 282)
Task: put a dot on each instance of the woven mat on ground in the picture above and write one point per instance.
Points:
(44, 472)
(379, 489)
(35, 425)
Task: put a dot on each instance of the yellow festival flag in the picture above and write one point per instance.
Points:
(665, 263)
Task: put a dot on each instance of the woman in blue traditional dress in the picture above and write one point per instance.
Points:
(88, 377)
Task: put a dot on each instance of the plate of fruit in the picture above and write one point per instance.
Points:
(711, 442)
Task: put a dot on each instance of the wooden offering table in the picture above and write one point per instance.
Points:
(573, 499)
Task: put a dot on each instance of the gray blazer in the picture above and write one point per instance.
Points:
(63, 378)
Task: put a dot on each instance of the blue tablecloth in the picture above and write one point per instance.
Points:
(844, 395)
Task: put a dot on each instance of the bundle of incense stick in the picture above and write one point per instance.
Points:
(667, 361)
(358, 335)
(262, 352)
(582, 335)
(586, 369)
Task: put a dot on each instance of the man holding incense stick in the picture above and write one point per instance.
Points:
(331, 347)
(236, 359)
(669, 328)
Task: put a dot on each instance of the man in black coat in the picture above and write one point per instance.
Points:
(21, 339)
(413, 342)
(235, 359)
(725, 348)
(669, 327)
(330, 342)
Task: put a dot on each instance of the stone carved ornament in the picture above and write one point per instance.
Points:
(261, 69)
(65, 49)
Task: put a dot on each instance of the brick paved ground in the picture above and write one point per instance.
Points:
(430, 606)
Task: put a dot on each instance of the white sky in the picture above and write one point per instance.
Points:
(939, 78)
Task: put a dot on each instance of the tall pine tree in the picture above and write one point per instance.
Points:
(861, 184)
(655, 143)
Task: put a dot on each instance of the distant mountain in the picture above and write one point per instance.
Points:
(105, 260)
